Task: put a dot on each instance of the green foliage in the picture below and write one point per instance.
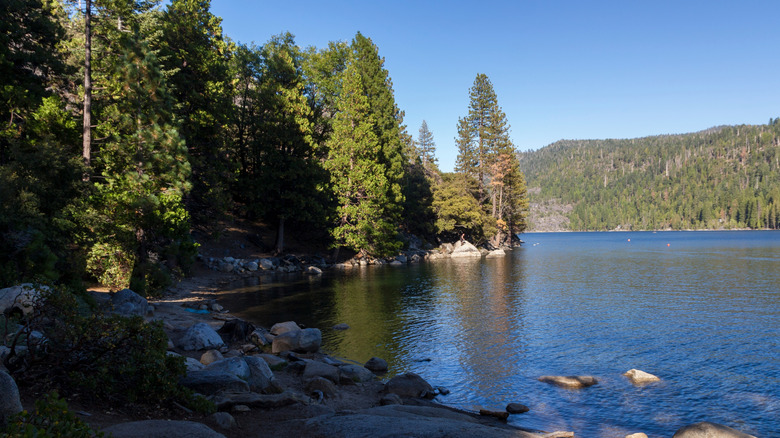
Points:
(722, 178)
(458, 211)
(196, 59)
(111, 265)
(365, 214)
(111, 358)
(51, 418)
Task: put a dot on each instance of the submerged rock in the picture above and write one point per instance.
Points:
(376, 365)
(570, 382)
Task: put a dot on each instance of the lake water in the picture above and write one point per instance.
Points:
(701, 310)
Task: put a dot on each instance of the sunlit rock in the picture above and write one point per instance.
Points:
(706, 429)
(639, 377)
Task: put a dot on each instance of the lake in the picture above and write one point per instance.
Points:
(701, 310)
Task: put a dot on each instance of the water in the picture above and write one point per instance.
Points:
(701, 310)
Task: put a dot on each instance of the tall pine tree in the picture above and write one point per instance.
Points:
(365, 215)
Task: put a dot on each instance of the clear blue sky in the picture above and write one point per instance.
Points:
(561, 69)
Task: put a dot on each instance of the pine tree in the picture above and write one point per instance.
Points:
(388, 119)
(365, 217)
(426, 147)
(288, 173)
(196, 58)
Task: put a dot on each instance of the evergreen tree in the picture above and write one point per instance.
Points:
(388, 119)
(196, 58)
(458, 211)
(365, 219)
(426, 147)
(288, 177)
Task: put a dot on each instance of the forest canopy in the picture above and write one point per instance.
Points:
(129, 124)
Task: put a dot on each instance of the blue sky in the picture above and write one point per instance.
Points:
(561, 69)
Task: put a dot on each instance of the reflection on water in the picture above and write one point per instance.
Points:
(700, 310)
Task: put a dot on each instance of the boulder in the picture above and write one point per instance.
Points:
(355, 373)
(236, 366)
(200, 336)
(10, 403)
(252, 266)
(323, 385)
(409, 385)
(569, 382)
(161, 429)
(313, 270)
(266, 264)
(516, 408)
(637, 435)
(209, 382)
(305, 341)
(235, 330)
(283, 327)
(376, 365)
(496, 253)
(465, 249)
(261, 377)
(314, 368)
(706, 429)
(223, 420)
(20, 298)
(126, 302)
(210, 357)
(639, 377)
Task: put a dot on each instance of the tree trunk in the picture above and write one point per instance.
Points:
(280, 237)
(87, 130)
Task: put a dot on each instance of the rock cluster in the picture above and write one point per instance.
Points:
(288, 263)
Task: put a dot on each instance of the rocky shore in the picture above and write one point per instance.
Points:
(276, 381)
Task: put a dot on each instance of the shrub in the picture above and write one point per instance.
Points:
(112, 358)
(51, 418)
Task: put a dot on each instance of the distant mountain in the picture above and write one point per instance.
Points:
(725, 177)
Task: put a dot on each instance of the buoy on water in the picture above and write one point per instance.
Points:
(668, 244)
(629, 240)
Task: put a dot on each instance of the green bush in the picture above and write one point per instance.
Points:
(51, 419)
(111, 358)
(111, 265)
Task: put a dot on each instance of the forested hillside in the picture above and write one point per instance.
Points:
(722, 178)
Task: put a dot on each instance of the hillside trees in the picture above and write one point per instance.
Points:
(724, 177)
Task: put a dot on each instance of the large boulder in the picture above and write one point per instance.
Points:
(569, 382)
(639, 377)
(465, 249)
(128, 303)
(409, 385)
(706, 429)
(496, 253)
(283, 327)
(304, 341)
(161, 429)
(200, 336)
(211, 382)
(10, 402)
(377, 365)
(20, 298)
(261, 377)
(356, 373)
(236, 366)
